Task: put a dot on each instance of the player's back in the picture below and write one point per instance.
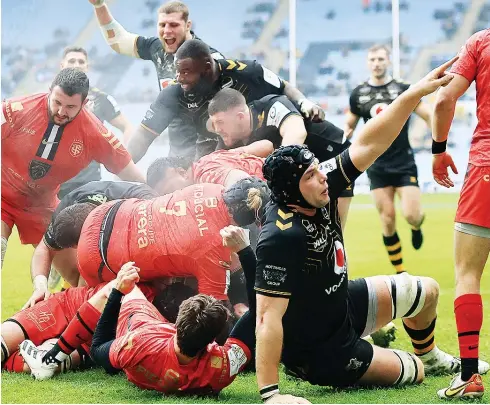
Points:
(215, 167)
(174, 230)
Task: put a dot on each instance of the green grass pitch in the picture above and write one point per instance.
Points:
(367, 257)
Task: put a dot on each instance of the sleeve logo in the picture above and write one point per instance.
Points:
(277, 113)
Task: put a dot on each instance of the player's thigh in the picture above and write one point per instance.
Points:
(470, 255)
(393, 367)
(410, 197)
(384, 199)
(12, 335)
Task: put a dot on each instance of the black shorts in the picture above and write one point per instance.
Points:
(380, 179)
(345, 363)
(348, 192)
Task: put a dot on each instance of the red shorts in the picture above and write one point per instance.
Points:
(474, 200)
(48, 319)
(31, 224)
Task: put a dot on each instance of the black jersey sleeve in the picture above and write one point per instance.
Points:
(107, 107)
(147, 46)
(340, 172)
(281, 253)
(277, 110)
(163, 110)
(354, 103)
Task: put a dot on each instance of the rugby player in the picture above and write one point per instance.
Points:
(274, 118)
(395, 171)
(103, 106)
(48, 254)
(472, 223)
(199, 78)
(46, 140)
(302, 269)
(174, 27)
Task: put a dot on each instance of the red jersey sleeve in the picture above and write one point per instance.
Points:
(234, 356)
(106, 147)
(466, 65)
(214, 273)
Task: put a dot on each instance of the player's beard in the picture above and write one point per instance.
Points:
(202, 87)
(66, 119)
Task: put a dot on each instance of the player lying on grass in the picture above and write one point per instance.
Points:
(156, 354)
(48, 253)
(302, 269)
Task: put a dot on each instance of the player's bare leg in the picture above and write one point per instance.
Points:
(410, 197)
(343, 207)
(384, 199)
(6, 232)
(471, 255)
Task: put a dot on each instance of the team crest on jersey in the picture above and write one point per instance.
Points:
(38, 169)
(377, 108)
(76, 148)
(340, 262)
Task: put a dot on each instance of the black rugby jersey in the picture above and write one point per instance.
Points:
(367, 101)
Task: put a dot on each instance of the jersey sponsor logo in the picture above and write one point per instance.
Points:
(76, 148)
(486, 177)
(97, 198)
(38, 169)
(274, 275)
(340, 262)
(377, 109)
(145, 233)
(28, 131)
(149, 114)
(328, 166)
(9, 115)
(111, 138)
(271, 78)
(233, 64)
(276, 114)
(45, 142)
(17, 106)
(192, 105)
(199, 204)
(354, 364)
(237, 358)
(179, 209)
(364, 99)
(364, 90)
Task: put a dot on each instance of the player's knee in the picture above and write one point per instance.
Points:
(388, 218)
(411, 369)
(413, 218)
(408, 295)
(5, 351)
(432, 289)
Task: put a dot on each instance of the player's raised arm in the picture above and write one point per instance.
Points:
(308, 108)
(115, 34)
(379, 133)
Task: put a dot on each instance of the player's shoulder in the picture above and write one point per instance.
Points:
(479, 36)
(21, 104)
(362, 88)
(402, 83)
(281, 224)
(237, 67)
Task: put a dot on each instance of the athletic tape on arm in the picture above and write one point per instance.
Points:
(119, 39)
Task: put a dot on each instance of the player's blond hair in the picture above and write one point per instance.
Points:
(379, 47)
(175, 7)
(254, 201)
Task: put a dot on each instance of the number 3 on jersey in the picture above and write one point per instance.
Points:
(179, 209)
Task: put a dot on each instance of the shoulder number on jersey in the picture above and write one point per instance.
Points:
(277, 113)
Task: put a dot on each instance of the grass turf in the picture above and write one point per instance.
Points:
(367, 257)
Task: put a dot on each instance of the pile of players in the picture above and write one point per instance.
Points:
(232, 252)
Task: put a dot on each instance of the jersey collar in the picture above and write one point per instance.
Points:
(388, 79)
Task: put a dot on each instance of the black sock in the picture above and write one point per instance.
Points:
(394, 248)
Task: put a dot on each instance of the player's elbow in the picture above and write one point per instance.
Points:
(444, 101)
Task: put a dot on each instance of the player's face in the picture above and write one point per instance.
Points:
(172, 30)
(189, 73)
(233, 126)
(76, 60)
(378, 63)
(63, 108)
(313, 185)
(175, 178)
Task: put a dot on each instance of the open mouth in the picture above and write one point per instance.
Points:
(170, 41)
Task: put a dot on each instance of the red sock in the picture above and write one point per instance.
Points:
(80, 329)
(14, 363)
(468, 309)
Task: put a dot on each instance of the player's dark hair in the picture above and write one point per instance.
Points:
(193, 49)
(72, 81)
(79, 49)
(224, 100)
(378, 47)
(68, 224)
(175, 7)
(200, 320)
(158, 169)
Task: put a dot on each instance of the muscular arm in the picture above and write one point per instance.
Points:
(139, 143)
(445, 106)
(423, 111)
(41, 260)
(293, 93)
(131, 173)
(293, 130)
(350, 124)
(234, 176)
(115, 34)
(261, 148)
(123, 124)
(269, 334)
